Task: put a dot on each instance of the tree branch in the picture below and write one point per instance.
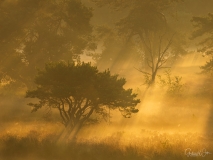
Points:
(87, 115)
(142, 71)
(82, 110)
(167, 47)
(148, 64)
(69, 101)
(63, 110)
(163, 67)
(64, 121)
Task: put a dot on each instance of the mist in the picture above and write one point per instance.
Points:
(96, 79)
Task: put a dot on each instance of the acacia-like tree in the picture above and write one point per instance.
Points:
(77, 91)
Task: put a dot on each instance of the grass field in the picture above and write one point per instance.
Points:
(167, 127)
(38, 142)
(162, 130)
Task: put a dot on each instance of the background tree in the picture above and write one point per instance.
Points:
(118, 5)
(77, 91)
(145, 27)
(149, 34)
(204, 29)
(34, 32)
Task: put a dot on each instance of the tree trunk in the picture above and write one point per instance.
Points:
(71, 130)
(72, 135)
(153, 78)
(69, 133)
(65, 134)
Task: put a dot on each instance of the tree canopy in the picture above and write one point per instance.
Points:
(34, 32)
(203, 28)
(79, 90)
(118, 4)
(145, 31)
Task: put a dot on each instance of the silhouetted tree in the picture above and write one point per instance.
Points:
(118, 4)
(204, 28)
(77, 91)
(34, 32)
(145, 27)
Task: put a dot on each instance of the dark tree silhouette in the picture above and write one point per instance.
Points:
(77, 91)
(144, 27)
(147, 26)
(34, 32)
(204, 28)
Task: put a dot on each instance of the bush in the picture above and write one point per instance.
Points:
(173, 84)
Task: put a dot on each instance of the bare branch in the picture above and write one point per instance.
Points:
(162, 63)
(63, 109)
(64, 121)
(159, 50)
(142, 71)
(167, 47)
(87, 115)
(163, 67)
(69, 101)
(149, 65)
(144, 42)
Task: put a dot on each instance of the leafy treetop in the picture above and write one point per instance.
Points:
(204, 28)
(79, 90)
(34, 32)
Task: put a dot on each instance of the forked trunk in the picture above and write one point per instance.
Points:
(69, 133)
(73, 134)
(153, 78)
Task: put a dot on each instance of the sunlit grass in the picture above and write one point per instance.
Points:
(163, 129)
(162, 134)
(38, 143)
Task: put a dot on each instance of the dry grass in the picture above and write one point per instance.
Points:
(153, 145)
(184, 115)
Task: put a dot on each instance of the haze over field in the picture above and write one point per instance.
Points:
(92, 79)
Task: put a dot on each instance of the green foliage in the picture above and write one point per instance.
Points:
(174, 85)
(78, 90)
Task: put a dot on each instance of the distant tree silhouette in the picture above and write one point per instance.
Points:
(78, 91)
(204, 28)
(144, 27)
